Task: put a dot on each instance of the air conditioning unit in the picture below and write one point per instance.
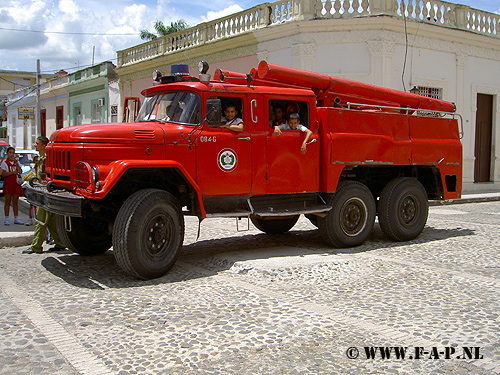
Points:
(100, 102)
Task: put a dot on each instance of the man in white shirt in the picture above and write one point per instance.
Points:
(230, 121)
(293, 124)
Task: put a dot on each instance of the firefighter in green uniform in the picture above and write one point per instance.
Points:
(44, 219)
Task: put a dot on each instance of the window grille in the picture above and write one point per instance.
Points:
(114, 113)
(430, 92)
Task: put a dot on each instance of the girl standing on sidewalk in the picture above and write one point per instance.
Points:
(11, 189)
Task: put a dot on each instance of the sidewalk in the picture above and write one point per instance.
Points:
(15, 235)
(22, 235)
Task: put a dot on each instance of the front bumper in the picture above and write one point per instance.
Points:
(61, 202)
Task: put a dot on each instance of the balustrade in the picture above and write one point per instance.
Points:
(428, 11)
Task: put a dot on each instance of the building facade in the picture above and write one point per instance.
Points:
(11, 81)
(441, 49)
(86, 96)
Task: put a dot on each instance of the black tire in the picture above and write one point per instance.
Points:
(351, 218)
(87, 236)
(313, 219)
(273, 225)
(148, 233)
(402, 209)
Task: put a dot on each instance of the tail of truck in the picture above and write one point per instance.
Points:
(373, 147)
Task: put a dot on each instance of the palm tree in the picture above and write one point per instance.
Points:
(163, 30)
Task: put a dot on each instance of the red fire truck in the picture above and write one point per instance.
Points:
(373, 152)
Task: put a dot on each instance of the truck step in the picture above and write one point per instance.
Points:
(293, 211)
(287, 204)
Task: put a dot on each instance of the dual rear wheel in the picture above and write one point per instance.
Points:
(402, 212)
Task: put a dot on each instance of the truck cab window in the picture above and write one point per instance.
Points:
(233, 105)
(179, 106)
(280, 110)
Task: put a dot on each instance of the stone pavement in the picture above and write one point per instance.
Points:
(249, 303)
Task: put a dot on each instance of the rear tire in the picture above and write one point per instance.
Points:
(87, 236)
(403, 209)
(351, 218)
(148, 233)
(274, 226)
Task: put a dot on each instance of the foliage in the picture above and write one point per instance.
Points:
(162, 30)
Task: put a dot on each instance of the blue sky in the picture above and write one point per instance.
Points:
(50, 21)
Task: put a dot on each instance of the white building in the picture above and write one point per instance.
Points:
(86, 96)
(446, 50)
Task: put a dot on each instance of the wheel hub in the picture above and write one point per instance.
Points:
(353, 216)
(408, 210)
(158, 235)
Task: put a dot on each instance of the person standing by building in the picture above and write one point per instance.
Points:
(10, 168)
(44, 219)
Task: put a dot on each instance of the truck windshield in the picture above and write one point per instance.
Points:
(176, 106)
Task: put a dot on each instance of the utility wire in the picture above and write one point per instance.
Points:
(14, 83)
(66, 33)
(81, 66)
(406, 47)
(22, 97)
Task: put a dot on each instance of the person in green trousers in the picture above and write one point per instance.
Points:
(43, 216)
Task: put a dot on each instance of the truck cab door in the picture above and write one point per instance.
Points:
(224, 157)
(288, 170)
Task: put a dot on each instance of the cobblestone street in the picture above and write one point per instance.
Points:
(249, 303)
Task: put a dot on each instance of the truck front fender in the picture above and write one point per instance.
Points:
(118, 168)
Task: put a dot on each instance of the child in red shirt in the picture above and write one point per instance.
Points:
(10, 168)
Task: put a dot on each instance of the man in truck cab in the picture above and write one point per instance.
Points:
(293, 124)
(229, 120)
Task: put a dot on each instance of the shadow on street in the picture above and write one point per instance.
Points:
(208, 257)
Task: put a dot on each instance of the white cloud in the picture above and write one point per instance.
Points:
(69, 7)
(211, 15)
(19, 50)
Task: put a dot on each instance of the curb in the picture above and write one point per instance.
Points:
(465, 200)
(19, 239)
(16, 241)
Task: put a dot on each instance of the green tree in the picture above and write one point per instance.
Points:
(162, 30)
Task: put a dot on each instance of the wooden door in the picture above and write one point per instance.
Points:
(59, 117)
(482, 151)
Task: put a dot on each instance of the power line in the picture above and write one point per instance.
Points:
(14, 83)
(80, 67)
(32, 89)
(66, 33)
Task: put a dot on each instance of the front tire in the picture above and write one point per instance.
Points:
(351, 218)
(403, 208)
(87, 236)
(274, 226)
(148, 233)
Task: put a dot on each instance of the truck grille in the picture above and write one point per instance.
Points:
(144, 134)
(61, 161)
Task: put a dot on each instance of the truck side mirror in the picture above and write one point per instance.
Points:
(213, 111)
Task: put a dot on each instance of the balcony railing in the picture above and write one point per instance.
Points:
(427, 11)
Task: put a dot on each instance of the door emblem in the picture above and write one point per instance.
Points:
(227, 160)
